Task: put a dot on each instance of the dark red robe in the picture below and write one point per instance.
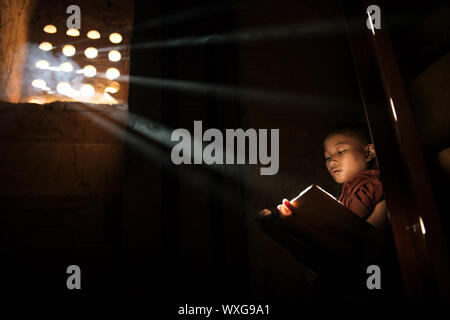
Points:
(362, 193)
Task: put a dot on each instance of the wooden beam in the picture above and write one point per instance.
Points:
(423, 255)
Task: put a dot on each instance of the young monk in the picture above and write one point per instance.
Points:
(350, 159)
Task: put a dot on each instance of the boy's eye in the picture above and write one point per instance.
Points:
(341, 151)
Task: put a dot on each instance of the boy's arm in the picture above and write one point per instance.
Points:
(378, 218)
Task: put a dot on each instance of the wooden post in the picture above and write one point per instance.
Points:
(420, 242)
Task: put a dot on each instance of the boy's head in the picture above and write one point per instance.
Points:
(348, 151)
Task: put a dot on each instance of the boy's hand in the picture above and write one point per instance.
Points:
(264, 212)
(286, 208)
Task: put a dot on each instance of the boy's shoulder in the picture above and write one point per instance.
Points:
(362, 192)
(366, 177)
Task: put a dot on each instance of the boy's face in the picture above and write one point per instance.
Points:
(345, 156)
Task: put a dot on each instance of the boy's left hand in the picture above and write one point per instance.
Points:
(286, 208)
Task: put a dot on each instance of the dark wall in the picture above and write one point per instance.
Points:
(60, 196)
(188, 230)
(145, 225)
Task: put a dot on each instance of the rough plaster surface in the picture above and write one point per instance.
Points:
(61, 173)
(14, 26)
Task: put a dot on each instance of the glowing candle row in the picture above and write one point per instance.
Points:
(69, 50)
(88, 70)
(66, 89)
(92, 34)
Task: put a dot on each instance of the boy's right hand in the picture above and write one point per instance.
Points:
(286, 208)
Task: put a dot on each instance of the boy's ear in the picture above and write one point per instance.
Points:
(370, 152)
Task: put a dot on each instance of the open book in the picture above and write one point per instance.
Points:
(323, 231)
(323, 212)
